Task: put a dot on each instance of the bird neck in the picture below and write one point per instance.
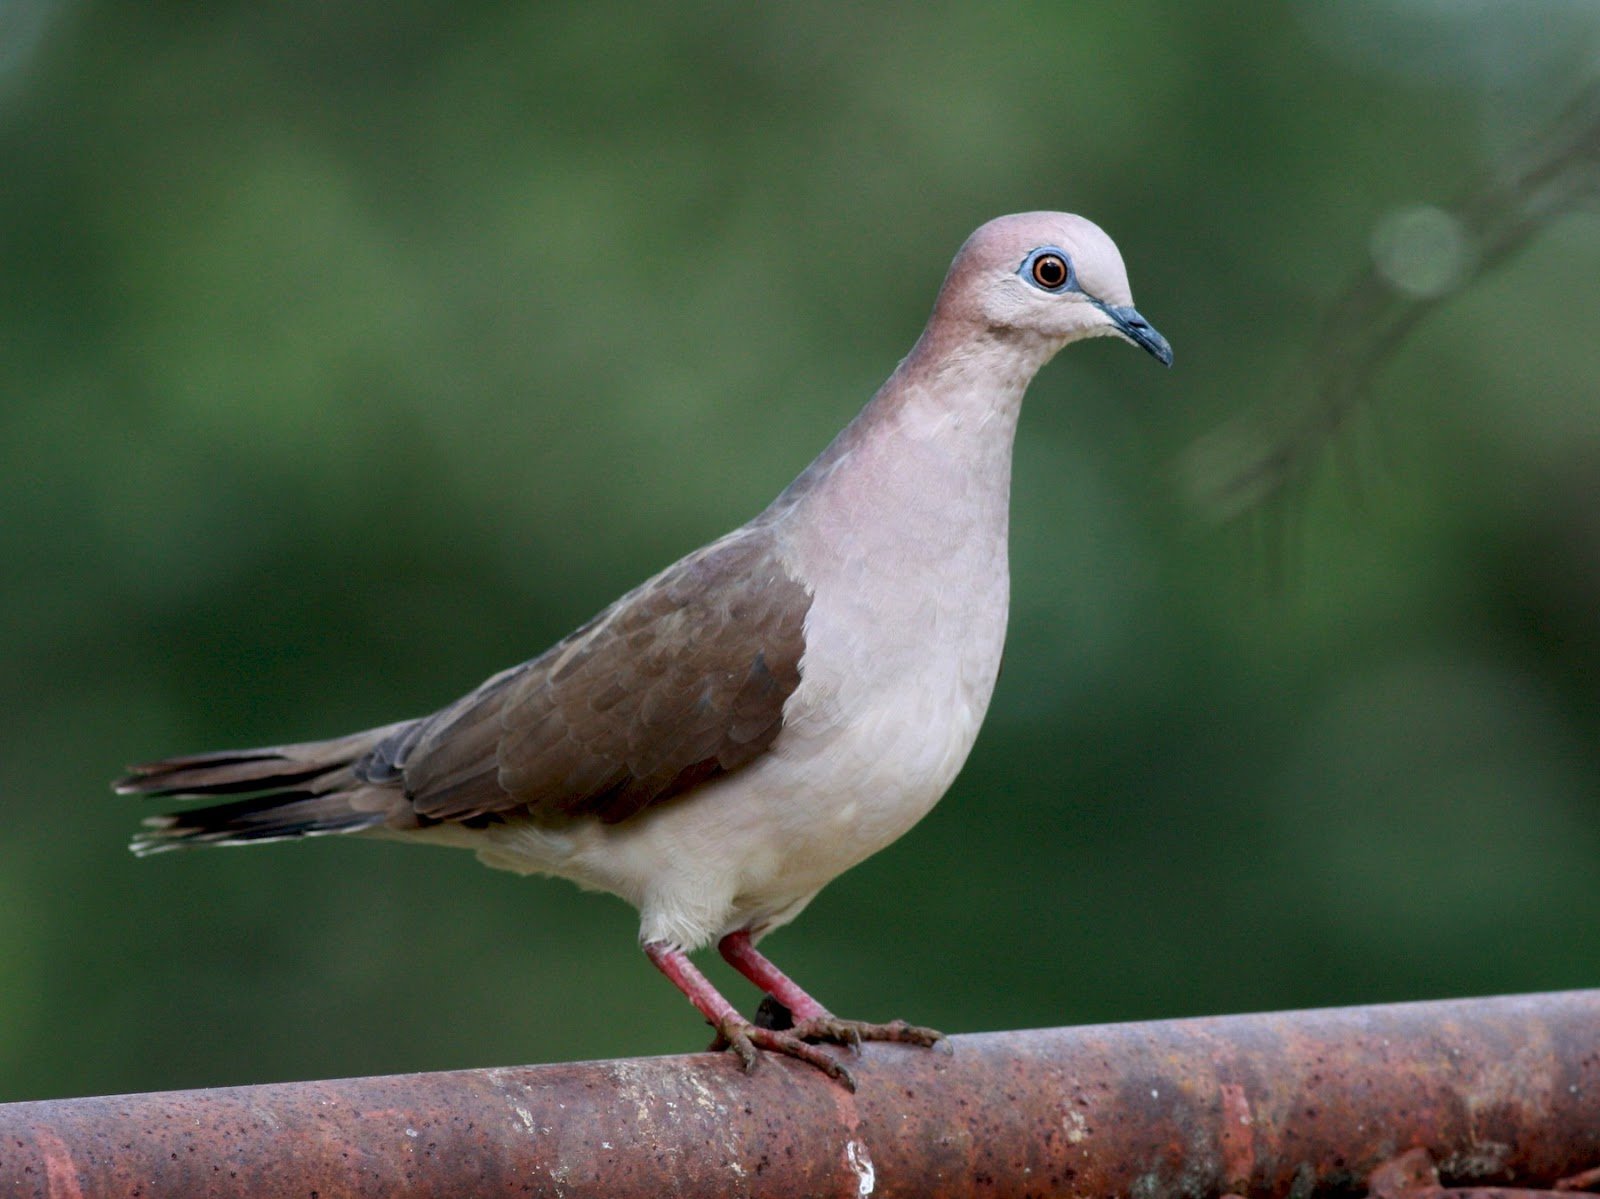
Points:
(954, 398)
(960, 376)
(929, 457)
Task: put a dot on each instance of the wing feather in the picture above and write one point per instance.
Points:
(681, 680)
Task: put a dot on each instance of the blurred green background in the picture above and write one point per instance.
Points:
(352, 351)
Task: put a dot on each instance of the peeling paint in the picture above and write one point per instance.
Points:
(1076, 1125)
(855, 1152)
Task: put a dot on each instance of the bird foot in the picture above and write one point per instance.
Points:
(742, 1038)
(800, 1040)
(854, 1032)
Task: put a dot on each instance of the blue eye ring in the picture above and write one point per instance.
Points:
(1049, 269)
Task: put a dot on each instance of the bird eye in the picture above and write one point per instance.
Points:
(1050, 271)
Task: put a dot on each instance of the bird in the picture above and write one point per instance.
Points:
(766, 712)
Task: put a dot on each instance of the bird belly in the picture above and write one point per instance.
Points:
(750, 849)
(891, 697)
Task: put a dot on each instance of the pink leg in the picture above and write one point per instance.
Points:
(812, 1021)
(741, 1036)
(686, 976)
(744, 957)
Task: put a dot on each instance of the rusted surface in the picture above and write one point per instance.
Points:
(1412, 1175)
(1499, 1093)
(1583, 1181)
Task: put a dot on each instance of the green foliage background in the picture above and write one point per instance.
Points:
(352, 351)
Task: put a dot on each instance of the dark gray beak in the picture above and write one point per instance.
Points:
(1137, 330)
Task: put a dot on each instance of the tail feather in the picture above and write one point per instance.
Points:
(287, 791)
(229, 772)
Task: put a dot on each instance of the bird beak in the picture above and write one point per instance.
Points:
(1137, 330)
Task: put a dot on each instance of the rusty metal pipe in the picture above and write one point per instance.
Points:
(1499, 1092)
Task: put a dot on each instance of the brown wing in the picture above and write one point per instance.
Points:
(680, 680)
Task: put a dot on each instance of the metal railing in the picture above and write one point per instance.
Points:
(1398, 1101)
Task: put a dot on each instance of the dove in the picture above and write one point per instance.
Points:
(765, 713)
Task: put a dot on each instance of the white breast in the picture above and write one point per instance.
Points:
(901, 538)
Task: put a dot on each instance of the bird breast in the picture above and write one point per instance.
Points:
(906, 625)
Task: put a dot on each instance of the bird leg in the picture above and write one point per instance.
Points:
(744, 957)
(812, 1021)
(740, 1036)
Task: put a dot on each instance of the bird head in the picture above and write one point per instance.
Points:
(1050, 275)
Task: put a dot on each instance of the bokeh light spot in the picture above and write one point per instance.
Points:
(1421, 250)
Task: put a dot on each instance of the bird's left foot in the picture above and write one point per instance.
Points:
(825, 1026)
(854, 1032)
(776, 1031)
(744, 1039)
